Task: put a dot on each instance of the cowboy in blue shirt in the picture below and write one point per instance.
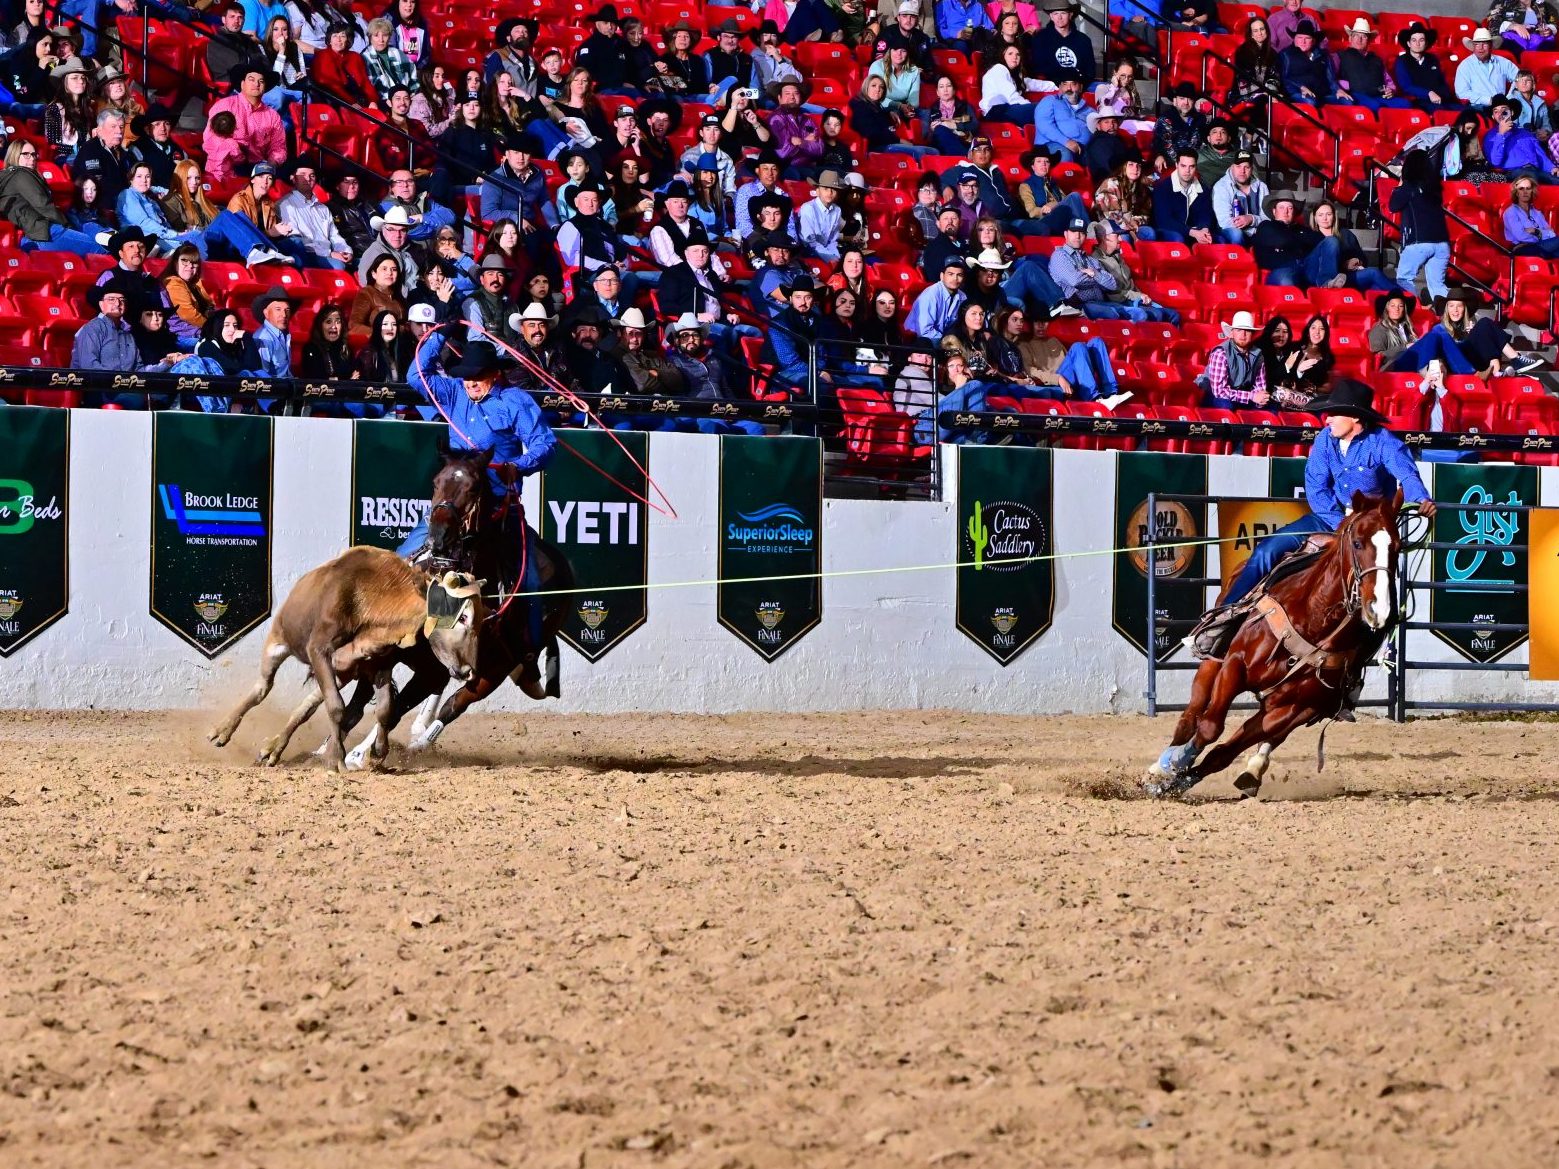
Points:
(1355, 453)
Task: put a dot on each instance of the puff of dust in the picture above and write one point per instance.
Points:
(1116, 783)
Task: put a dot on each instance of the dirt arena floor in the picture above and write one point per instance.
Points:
(869, 940)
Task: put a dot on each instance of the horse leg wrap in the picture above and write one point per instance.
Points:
(1178, 760)
(428, 737)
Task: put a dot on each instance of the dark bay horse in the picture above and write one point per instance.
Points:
(470, 529)
(1302, 650)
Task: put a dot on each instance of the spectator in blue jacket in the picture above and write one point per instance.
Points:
(1308, 77)
(1061, 119)
(1182, 207)
(957, 21)
(788, 346)
(1515, 149)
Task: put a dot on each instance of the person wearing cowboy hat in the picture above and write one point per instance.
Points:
(1417, 71)
(1361, 74)
(488, 309)
(1483, 75)
(1528, 25)
(1181, 127)
(511, 54)
(106, 341)
(1283, 241)
(484, 415)
(1061, 47)
(1466, 343)
(587, 241)
(798, 140)
(603, 54)
(67, 121)
(688, 69)
(130, 247)
(767, 168)
(791, 345)
(596, 370)
(706, 374)
(258, 129)
(154, 145)
(1045, 207)
(648, 371)
(821, 218)
(1354, 454)
(394, 232)
(1236, 377)
(1306, 68)
(539, 351)
(1514, 149)
(987, 270)
(1107, 149)
(273, 308)
(769, 62)
(1061, 118)
(728, 64)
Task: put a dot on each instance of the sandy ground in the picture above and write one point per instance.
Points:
(866, 940)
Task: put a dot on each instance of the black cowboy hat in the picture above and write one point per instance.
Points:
(1430, 35)
(1502, 100)
(1409, 301)
(768, 156)
(1306, 28)
(1350, 398)
(125, 235)
(802, 283)
(651, 106)
(727, 26)
(1184, 89)
(605, 14)
(1027, 158)
(96, 292)
(678, 189)
(140, 125)
(275, 294)
(589, 314)
(480, 359)
(587, 185)
(501, 34)
(758, 32)
(779, 239)
(757, 203)
(237, 73)
(524, 142)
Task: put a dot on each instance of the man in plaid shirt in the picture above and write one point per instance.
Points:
(1235, 378)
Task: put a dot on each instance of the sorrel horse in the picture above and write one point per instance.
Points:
(472, 530)
(1302, 650)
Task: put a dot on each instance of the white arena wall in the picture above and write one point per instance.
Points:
(885, 641)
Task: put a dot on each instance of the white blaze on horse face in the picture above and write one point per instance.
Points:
(1379, 612)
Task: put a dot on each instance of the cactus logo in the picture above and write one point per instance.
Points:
(1003, 536)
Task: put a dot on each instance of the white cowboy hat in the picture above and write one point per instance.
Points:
(1483, 37)
(1108, 110)
(1242, 320)
(990, 258)
(683, 323)
(632, 318)
(395, 217)
(1361, 26)
(533, 312)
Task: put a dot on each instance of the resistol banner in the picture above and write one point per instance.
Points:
(393, 464)
(211, 526)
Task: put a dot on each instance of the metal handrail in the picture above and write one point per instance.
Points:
(1304, 165)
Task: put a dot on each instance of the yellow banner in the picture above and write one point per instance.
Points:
(1543, 594)
(1249, 521)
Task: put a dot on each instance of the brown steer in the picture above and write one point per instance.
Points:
(354, 617)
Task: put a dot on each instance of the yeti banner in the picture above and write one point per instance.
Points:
(34, 526)
(771, 525)
(1005, 595)
(211, 526)
(1179, 562)
(597, 515)
(1480, 571)
(393, 464)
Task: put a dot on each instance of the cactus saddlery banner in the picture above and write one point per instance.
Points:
(1005, 597)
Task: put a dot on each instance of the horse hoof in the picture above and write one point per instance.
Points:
(1248, 785)
(1160, 784)
(270, 754)
(218, 738)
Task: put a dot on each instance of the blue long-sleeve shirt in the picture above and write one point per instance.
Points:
(934, 312)
(507, 420)
(143, 211)
(506, 194)
(1057, 121)
(1374, 464)
(953, 16)
(1515, 149)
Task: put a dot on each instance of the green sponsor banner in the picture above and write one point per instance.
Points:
(1481, 484)
(393, 464)
(1005, 597)
(1178, 601)
(771, 524)
(1286, 478)
(602, 527)
(211, 526)
(34, 523)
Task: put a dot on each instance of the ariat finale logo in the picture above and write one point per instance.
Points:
(593, 614)
(210, 607)
(1173, 529)
(770, 614)
(10, 604)
(1005, 620)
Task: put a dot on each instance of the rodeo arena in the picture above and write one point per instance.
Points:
(804, 583)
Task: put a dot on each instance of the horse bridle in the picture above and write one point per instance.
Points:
(453, 514)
